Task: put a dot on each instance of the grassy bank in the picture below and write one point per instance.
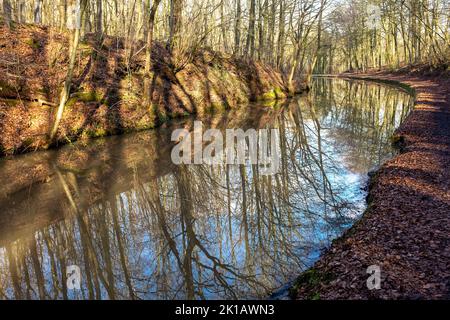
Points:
(107, 91)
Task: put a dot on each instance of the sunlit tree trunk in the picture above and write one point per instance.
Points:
(223, 26)
(20, 10)
(237, 28)
(38, 12)
(250, 45)
(281, 36)
(148, 50)
(318, 45)
(6, 10)
(62, 14)
(65, 92)
(176, 7)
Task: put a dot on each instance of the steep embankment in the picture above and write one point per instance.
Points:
(406, 228)
(107, 91)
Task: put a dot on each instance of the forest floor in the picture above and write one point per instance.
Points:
(406, 228)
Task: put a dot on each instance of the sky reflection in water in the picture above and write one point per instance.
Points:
(140, 227)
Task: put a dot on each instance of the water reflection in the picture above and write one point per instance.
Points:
(140, 227)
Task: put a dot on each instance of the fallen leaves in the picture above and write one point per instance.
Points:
(406, 230)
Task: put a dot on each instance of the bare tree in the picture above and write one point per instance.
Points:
(37, 14)
(176, 7)
(6, 9)
(65, 92)
(148, 50)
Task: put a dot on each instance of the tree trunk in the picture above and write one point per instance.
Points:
(319, 44)
(237, 28)
(223, 27)
(65, 92)
(6, 7)
(20, 11)
(281, 38)
(176, 7)
(38, 12)
(98, 20)
(148, 51)
(62, 15)
(250, 46)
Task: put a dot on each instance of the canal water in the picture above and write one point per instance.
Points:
(115, 218)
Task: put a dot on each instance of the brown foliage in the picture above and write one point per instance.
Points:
(107, 91)
(406, 228)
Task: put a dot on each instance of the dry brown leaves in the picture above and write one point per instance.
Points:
(406, 230)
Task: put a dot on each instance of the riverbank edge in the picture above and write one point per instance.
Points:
(109, 88)
(324, 279)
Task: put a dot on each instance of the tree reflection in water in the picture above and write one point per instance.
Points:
(140, 227)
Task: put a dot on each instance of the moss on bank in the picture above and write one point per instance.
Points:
(310, 280)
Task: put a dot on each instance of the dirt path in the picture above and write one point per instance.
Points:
(406, 229)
